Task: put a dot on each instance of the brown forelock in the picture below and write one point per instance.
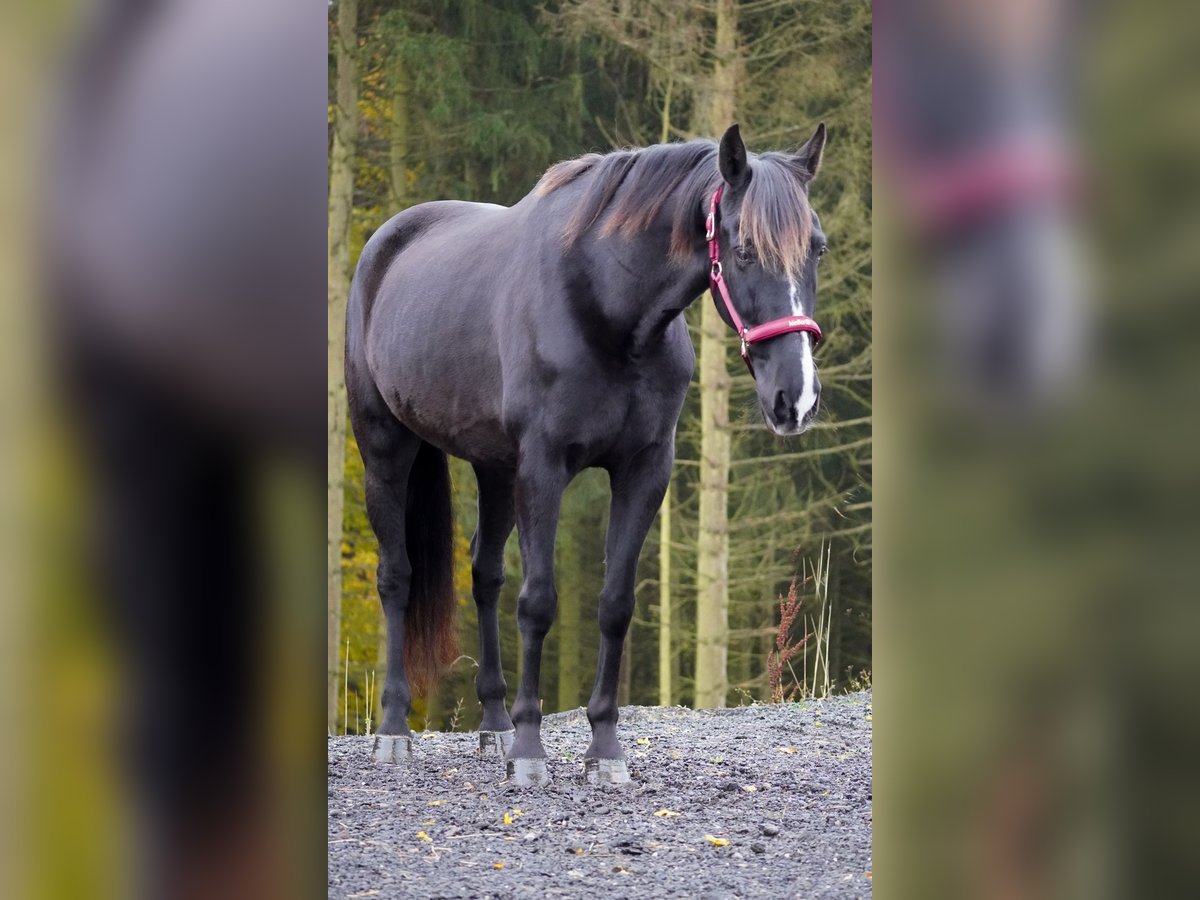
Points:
(775, 216)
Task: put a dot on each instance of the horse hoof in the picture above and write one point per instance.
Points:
(495, 743)
(392, 748)
(605, 771)
(528, 772)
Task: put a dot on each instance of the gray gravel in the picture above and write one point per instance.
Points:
(787, 786)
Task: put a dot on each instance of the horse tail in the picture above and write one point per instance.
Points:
(430, 636)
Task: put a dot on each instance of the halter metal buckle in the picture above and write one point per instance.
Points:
(710, 227)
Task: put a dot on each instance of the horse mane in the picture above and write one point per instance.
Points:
(628, 188)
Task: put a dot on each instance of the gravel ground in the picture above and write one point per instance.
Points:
(758, 801)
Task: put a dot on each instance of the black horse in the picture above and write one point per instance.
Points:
(542, 339)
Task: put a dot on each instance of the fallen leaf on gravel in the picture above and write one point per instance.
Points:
(423, 836)
(643, 741)
(716, 841)
(749, 788)
(498, 865)
(787, 749)
(510, 816)
(436, 802)
(665, 813)
(427, 822)
(868, 874)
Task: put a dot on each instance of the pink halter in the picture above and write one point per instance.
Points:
(758, 333)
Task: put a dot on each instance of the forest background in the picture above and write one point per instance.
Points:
(473, 100)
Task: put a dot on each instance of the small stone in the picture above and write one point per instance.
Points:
(770, 830)
(758, 847)
(532, 835)
(728, 787)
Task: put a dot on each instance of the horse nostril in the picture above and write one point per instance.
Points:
(784, 411)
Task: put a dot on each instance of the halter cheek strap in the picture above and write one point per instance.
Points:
(758, 333)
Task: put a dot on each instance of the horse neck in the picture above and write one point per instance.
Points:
(643, 288)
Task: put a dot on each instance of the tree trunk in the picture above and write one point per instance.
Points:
(625, 672)
(664, 521)
(712, 552)
(398, 155)
(341, 204)
(664, 601)
(712, 545)
(568, 634)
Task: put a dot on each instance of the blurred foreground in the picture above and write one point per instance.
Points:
(169, 206)
(1036, 444)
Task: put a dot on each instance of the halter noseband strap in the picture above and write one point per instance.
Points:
(758, 333)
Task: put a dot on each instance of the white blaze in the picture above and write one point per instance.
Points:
(808, 396)
(797, 309)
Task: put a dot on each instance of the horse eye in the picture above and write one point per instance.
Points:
(744, 255)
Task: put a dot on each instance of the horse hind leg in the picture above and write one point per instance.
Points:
(496, 519)
(389, 450)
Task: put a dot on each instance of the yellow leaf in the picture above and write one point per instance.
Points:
(665, 813)
(427, 822)
(423, 836)
(436, 802)
(508, 819)
(716, 841)
(643, 741)
(787, 749)
(498, 865)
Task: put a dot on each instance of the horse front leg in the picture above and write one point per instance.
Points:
(541, 480)
(638, 487)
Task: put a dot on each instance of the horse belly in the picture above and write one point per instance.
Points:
(447, 401)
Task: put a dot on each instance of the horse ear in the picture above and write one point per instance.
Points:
(734, 167)
(809, 155)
